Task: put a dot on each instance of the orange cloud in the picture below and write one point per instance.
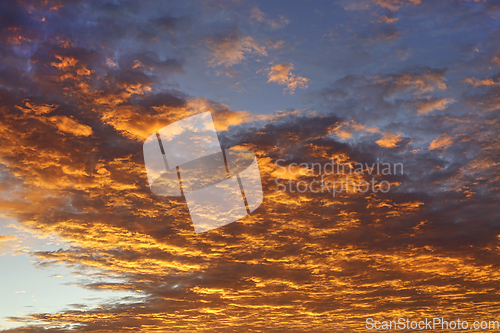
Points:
(441, 142)
(419, 82)
(426, 82)
(395, 4)
(282, 74)
(484, 82)
(63, 123)
(392, 5)
(345, 130)
(258, 15)
(69, 125)
(389, 140)
(64, 62)
(387, 20)
(426, 106)
(37, 109)
(4, 241)
(138, 124)
(229, 51)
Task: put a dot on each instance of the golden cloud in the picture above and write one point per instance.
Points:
(229, 51)
(389, 140)
(484, 82)
(282, 74)
(429, 105)
(441, 142)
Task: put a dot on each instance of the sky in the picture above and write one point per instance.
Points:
(85, 245)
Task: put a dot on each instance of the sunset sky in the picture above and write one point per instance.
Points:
(86, 246)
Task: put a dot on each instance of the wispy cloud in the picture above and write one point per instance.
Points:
(231, 50)
(389, 140)
(282, 74)
(441, 142)
(428, 105)
(259, 16)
